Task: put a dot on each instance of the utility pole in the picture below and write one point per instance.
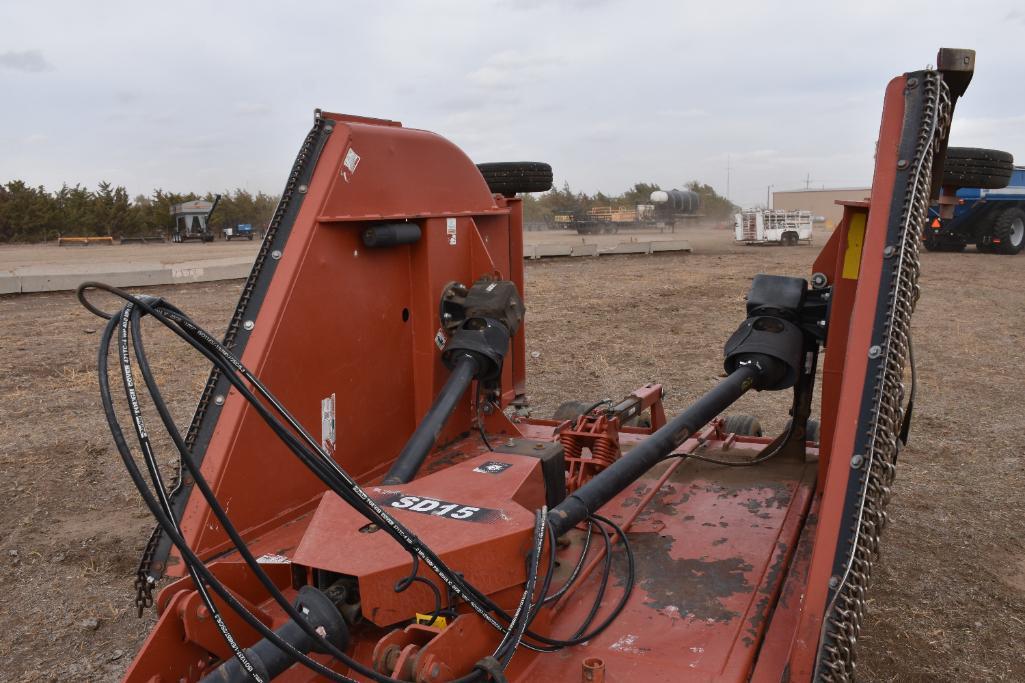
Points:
(768, 197)
(807, 182)
(727, 176)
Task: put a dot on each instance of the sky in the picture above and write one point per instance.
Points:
(194, 96)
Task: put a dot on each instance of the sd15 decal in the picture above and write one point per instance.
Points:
(438, 508)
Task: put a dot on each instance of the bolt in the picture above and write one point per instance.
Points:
(821, 323)
(446, 317)
(912, 83)
(903, 163)
(276, 254)
(889, 251)
(856, 460)
(249, 324)
(825, 296)
(834, 581)
(219, 400)
(302, 189)
(328, 129)
(819, 280)
(875, 351)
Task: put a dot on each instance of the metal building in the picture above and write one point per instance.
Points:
(819, 202)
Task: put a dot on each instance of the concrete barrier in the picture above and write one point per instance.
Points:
(628, 248)
(538, 251)
(25, 283)
(584, 250)
(670, 245)
(545, 250)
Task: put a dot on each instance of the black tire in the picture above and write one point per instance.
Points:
(742, 425)
(812, 432)
(1009, 228)
(976, 167)
(790, 239)
(512, 177)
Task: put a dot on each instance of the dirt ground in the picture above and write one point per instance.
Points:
(948, 602)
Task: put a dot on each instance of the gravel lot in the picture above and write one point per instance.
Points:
(949, 597)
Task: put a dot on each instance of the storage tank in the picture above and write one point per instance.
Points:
(677, 201)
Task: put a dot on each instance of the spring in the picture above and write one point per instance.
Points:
(604, 451)
(571, 445)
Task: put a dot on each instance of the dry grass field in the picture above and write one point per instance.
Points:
(949, 597)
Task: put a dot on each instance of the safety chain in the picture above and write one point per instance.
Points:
(145, 581)
(842, 627)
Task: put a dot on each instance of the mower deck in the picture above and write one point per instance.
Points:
(712, 546)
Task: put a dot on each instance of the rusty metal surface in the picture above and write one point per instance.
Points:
(712, 549)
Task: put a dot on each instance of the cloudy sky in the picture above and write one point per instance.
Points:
(206, 96)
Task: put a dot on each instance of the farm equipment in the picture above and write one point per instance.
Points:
(192, 220)
(241, 231)
(984, 198)
(666, 209)
(773, 226)
(360, 501)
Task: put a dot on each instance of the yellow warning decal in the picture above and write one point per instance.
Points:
(855, 242)
(425, 619)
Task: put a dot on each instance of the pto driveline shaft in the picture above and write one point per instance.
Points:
(590, 497)
(422, 441)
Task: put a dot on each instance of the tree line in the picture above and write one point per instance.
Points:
(34, 214)
(540, 209)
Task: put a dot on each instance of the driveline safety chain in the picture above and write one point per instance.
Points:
(841, 629)
(145, 577)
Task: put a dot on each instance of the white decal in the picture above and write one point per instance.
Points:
(450, 229)
(327, 424)
(349, 164)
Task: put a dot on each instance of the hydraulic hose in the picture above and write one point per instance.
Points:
(423, 439)
(604, 486)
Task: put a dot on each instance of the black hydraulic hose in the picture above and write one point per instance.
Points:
(604, 486)
(297, 619)
(333, 476)
(209, 496)
(423, 439)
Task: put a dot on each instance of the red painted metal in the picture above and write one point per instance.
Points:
(732, 562)
(853, 349)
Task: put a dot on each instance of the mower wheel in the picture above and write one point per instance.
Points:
(742, 425)
(813, 431)
(1010, 230)
(512, 177)
(976, 167)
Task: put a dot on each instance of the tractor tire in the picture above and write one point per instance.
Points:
(512, 177)
(742, 425)
(1009, 228)
(813, 431)
(989, 169)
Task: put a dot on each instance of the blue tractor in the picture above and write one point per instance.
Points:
(989, 203)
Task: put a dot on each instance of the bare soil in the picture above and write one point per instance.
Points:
(948, 602)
